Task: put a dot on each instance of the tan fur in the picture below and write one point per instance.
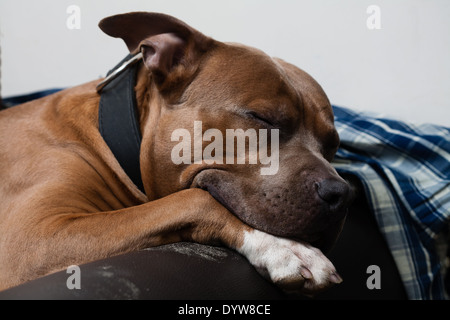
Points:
(66, 200)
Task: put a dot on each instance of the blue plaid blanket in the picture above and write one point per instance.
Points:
(405, 171)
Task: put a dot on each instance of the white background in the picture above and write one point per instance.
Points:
(401, 70)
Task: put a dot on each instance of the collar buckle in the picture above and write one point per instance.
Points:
(118, 71)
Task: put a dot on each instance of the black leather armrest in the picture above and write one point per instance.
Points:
(177, 271)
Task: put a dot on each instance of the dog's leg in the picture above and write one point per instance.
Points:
(294, 266)
(189, 215)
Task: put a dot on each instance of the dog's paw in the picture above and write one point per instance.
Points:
(293, 266)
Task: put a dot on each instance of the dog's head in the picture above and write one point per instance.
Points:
(254, 131)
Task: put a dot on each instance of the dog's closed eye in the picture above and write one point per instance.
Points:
(262, 119)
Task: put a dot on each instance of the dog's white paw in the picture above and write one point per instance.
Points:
(294, 266)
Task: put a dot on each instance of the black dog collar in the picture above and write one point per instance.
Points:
(118, 116)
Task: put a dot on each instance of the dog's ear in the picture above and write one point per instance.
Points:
(170, 48)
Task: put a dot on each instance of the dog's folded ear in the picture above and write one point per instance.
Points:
(171, 49)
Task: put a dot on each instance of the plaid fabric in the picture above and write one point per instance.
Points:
(405, 170)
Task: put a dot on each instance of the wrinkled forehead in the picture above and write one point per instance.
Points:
(247, 76)
(314, 99)
(248, 73)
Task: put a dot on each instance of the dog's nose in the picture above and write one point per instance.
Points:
(334, 192)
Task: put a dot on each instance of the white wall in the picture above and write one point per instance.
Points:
(402, 69)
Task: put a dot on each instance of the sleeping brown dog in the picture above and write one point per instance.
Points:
(65, 199)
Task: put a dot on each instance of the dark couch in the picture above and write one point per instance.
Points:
(193, 271)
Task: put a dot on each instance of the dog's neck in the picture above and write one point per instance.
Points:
(119, 119)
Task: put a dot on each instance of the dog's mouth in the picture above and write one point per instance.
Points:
(198, 181)
(316, 228)
(217, 195)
